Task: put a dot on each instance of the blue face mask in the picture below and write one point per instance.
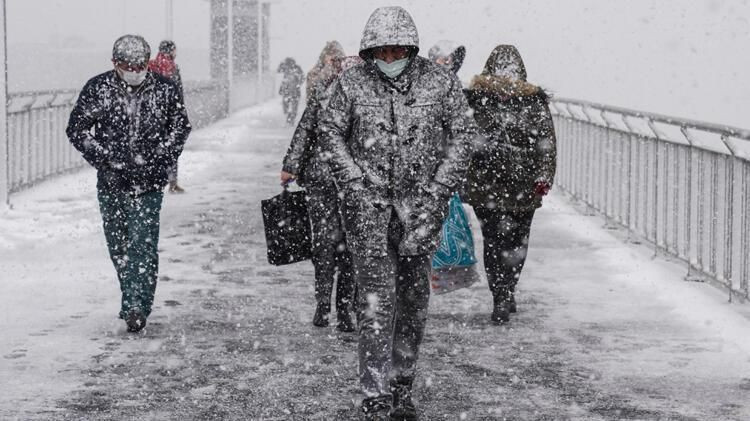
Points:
(392, 70)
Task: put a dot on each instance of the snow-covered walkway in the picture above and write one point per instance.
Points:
(604, 330)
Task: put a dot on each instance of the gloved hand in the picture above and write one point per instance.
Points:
(541, 187)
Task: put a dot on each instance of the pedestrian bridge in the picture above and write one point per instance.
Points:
(632, 305)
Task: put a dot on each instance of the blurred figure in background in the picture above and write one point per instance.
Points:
(325, 66)
(511, 173)
(290, 88)
(164, 64)
(131, 125)
(307, 163)
(448, 54)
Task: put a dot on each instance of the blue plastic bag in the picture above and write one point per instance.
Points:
(454, 262)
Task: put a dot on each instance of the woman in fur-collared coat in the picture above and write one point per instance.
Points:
(511, 173)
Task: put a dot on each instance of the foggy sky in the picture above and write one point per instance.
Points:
(684, 58)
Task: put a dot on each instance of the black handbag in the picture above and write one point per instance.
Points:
(287, 227)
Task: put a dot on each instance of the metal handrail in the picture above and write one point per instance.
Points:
(688, 195)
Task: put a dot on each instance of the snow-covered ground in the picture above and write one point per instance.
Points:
(605, 331)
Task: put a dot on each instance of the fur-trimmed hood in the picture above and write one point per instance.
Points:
(506, 88)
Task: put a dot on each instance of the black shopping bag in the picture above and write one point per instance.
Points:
(287, 228)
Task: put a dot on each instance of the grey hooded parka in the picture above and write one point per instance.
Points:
(387, 143)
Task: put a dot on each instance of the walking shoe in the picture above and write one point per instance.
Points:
(320, 319)
(376, 409)
(136, 321)
(403, 407)
(346, 324)
(175, 188)
(501, 310)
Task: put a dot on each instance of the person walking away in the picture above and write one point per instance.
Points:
(289, 89)
(512, 172)
(306, 164)
(131, 124)
(332, 52)
(396, 172)
(449, 54)
(164, 64)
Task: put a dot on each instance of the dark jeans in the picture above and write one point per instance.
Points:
(330, 254)
(393, 295)
(131, 227)
(506, 242)
(290, 104)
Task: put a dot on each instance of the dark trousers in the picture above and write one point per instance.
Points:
(131, 227)
(393, 296)
(330, 254)
(290, 104)
(506, 242)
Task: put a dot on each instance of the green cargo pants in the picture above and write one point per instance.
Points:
(131, 227)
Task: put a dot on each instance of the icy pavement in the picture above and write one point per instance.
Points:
(604, 330)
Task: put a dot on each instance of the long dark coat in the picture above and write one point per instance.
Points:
(517, 125)
(131, 135)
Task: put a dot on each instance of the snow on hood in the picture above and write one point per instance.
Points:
(447, 48)
(391, 25)
(505, 61)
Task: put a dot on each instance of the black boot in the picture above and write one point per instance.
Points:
(512, 300)
(403, 407)
(321, 314)
(501, 308)
(346, 323)
(376, 409)
(136, 321)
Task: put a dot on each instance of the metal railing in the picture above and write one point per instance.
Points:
(682, 185)
(38, 147)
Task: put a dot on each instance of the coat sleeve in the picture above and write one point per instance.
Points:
(304, 136)
(546, 143)
(80, 130)
(335, 126)
(179, 126)
(461, 140)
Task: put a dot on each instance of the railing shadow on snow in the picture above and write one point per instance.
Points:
(682, 185)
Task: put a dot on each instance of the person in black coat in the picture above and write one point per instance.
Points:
(512, 172)
(131, 124)
(290, 89)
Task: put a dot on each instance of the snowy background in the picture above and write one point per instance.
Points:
(676, 57)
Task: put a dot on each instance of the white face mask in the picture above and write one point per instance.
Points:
(133, 78)
(392, 70)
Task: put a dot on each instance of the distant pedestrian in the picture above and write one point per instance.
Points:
(323, 68)
(290, 88)
(306, 162)
(131, 124)
(448, 54)
(512, 172)
(396, 171)
(164, 64)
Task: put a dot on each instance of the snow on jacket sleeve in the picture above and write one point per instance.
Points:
(179, 126)
(461, 139)
(546, 144)
(304, 134)
(81, 124)
(335, 125)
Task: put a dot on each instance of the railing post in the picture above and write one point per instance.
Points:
(4, 139)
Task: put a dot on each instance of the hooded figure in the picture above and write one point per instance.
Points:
(324, 69)
(511, 173)
(131, 124)
(396, 170)
(449, 54)
(289, 89)
(306, 162)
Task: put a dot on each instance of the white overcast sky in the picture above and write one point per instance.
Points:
(681, 57)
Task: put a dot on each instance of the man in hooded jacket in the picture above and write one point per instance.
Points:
(332, 52)
(396, 170)
(131, 124)
(511, 173)
(289, 89)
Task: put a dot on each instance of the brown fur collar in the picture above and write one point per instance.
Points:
(505, 87)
